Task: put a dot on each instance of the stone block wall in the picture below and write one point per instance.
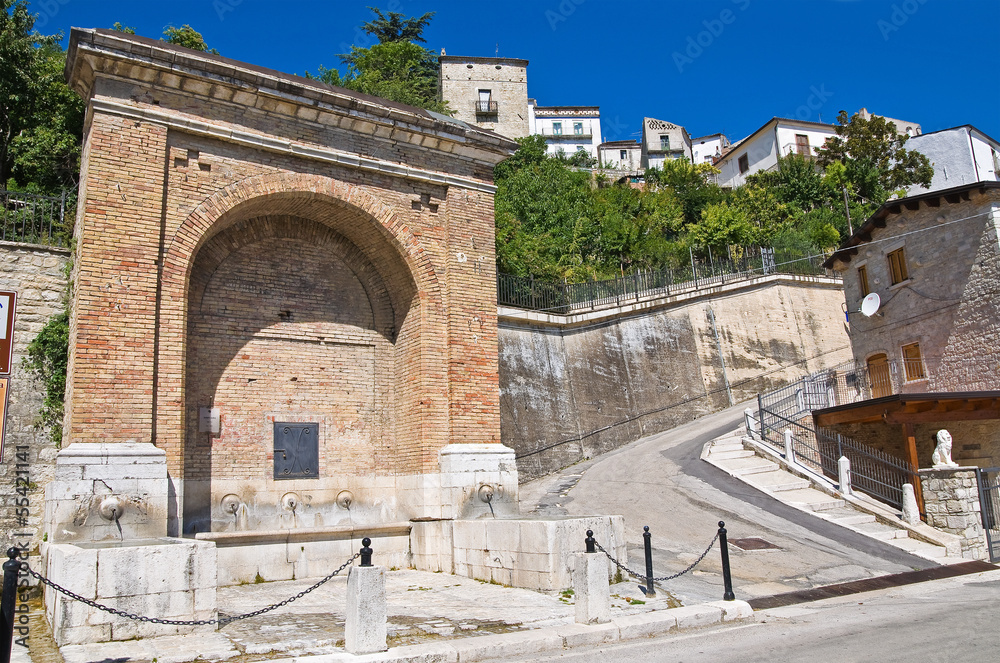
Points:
(39, 275)
(951, 500)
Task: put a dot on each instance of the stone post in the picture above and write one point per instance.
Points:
(789, 449)
(951, 500)
(750, 420)
(591, 589)
(844, 475)
(365, 624)
(911, 511)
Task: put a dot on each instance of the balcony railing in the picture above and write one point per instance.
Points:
(800, 149)
(584, 134)
(487, 107)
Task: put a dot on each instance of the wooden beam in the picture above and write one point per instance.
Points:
(934, 416)
(913, 205)
(934, 202)
(857, 415)
(910, 445)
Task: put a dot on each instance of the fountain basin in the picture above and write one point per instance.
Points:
(164, 577)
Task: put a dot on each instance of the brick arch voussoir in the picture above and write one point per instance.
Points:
(203, 222)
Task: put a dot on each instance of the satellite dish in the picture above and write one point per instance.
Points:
(870, 304)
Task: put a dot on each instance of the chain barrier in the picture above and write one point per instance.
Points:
(642, 576)
(221, 621)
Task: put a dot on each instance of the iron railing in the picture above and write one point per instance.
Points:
(487, 107)
(33, 219)
(561, 297)
(873, 471)
(989, 504)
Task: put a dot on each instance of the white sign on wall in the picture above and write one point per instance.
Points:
(4, 313)
(208, 420)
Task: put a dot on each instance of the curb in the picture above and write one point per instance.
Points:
(552, 639)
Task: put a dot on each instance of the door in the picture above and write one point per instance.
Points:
(879, 376)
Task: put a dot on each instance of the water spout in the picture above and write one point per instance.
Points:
(242, 518)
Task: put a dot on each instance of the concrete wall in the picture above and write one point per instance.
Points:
(38, 275)
(961, 155)
(576, 386)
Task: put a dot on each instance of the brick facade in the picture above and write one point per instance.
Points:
(284, 251)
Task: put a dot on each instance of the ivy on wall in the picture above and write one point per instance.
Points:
(48, 355)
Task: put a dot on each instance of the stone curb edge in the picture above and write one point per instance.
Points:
(551, 639)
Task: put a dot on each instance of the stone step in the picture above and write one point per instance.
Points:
(743, 466)
(854, 519)
(922, 548)
(811, 499)
(726, 455)
(778, 481)
(883, 532)
(728, 445)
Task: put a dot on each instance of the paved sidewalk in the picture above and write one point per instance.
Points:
(432, 617)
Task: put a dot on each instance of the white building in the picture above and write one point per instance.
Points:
(760, 150)
(662, 141)
(960, 155)
(621, 155)
(706, 149)
(567, 129)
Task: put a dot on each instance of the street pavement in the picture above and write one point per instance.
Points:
(661, 482)
(942, 620)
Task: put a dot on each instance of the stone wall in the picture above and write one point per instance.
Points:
(39, 276)
(507, 79)
(576, 386)
(951, 500)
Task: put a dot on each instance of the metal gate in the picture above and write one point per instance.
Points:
(989, 502)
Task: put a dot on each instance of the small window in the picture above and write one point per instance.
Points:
(665, 143)
(897, 266)
(557, 128)
(913, 364)
(744, 162)
(863, 280)
(578, 128)
(624, 155)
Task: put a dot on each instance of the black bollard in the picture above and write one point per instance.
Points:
(647, 543)
(591, 541)
(366, 553)
(7, 604)
(727, 576)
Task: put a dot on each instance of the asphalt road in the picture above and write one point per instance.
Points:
(660, 481)
(943, 620)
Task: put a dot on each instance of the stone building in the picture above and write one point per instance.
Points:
(929, 348)
(662, 141)
(625, 155)
(490, 93)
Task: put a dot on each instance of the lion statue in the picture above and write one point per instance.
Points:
(942, 452)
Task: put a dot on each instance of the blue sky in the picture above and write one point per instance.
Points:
(711, 65)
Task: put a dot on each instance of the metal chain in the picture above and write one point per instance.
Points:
(642, 576)
(221, 621)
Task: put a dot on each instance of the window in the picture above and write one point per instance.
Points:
(863, 280)
(665, 143)
(913, 365)
(578, 128)
(557, 128)
(897, 266)
(486, 103)
(802, 144)
(744, 162)
(624, 155)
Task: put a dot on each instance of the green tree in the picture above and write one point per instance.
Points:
(185, 36)
(876, 163)
(396, 27)
(691, 183)
(397, 68)
(41, 119)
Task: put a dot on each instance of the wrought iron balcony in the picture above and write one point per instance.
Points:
(487, 107)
